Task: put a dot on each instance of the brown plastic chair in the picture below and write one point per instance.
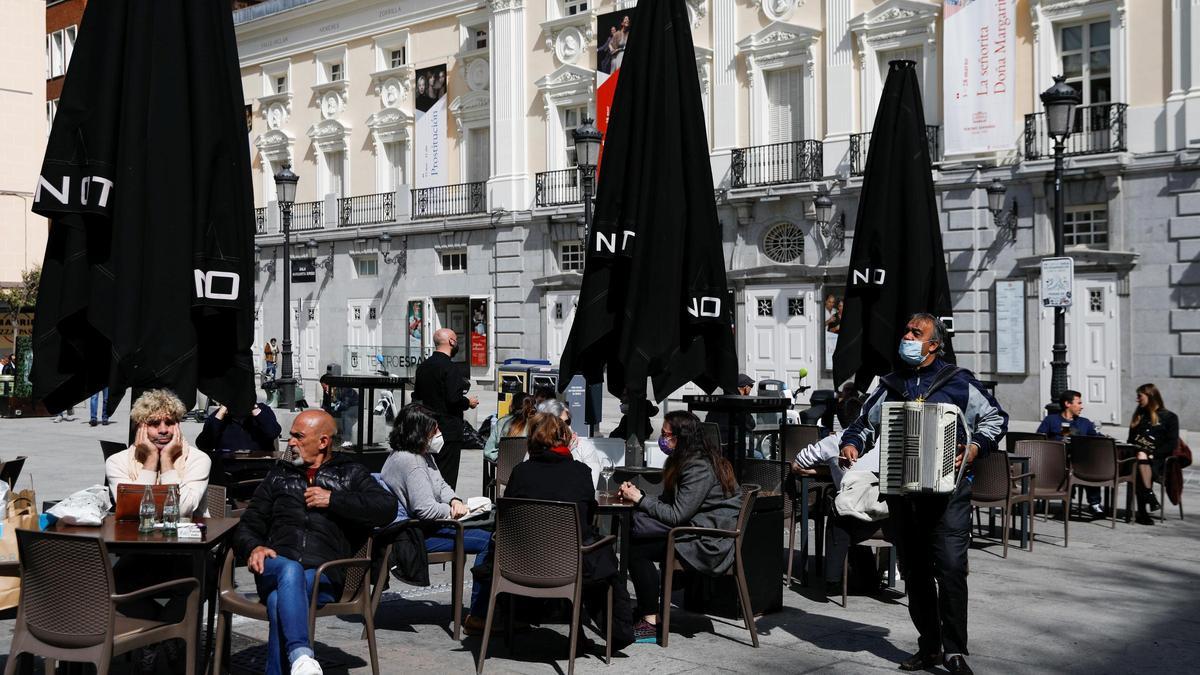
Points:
(797, 436)
(772, 476)
(1095, 461)
(355, 600)
(539, 554)
(875, 542)
(737, 570)
(10, 471)
(68, 609)
(1013, 437)
(996, 486)
(509, 453)
(385, 539)
(1051, 475)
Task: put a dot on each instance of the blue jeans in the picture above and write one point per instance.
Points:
(474, 541)
(96, 401)
(287, 587)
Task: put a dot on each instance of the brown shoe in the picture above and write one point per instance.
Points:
(473, 625)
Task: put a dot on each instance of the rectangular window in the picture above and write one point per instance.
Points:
(366, 266)
(454, 261)
(1084, 50)
(56, 54)
(480, 39)
(785, 118)
(281, 84)
(335, 72)
(59, 46)
(396, 57)
(51, 110)
(479, 148)
(570, 256)
(1086, 226)
(572, 118)
(574, 7)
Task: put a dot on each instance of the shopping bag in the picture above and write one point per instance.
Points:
(21, 514)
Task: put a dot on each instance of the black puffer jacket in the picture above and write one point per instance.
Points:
(278, 519)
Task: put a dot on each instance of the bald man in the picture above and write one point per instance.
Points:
(317, 508)
(441, 386)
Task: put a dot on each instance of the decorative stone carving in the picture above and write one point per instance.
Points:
(471, 110)
(893, 14)
(569, 37)
(506, 5)
(275, 146)
(569, 44)
(391, 92)
(393, 85)
(779, 10)
(331, 104)
(276, 114)
(569, 84)
(329, 134)
(478, 75)
(390, 125)
(697, 10)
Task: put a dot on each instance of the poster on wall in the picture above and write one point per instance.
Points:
(430, 130)
(979, 75)
(612, 34)
(1010, 327)
(415, 329)
(478, 328)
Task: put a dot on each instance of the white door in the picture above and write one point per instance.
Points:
(362, 336)
(1093, 348)
(781, 333)
(560, 314)
(307, 349)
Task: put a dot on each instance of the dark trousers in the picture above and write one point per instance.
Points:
(932, 535)
(447, 461)
(644, 553)
(843, 532)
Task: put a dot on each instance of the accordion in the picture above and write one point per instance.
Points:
(917, 446)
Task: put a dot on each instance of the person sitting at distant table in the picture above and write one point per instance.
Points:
(226, 432)
(1063, 425)
(521, 408)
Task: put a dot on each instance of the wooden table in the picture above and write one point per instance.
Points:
(122, 537)
(622, 512)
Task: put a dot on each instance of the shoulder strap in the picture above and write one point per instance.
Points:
(944, 375)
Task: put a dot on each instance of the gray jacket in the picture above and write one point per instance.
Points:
(417, 483)
(698, 501)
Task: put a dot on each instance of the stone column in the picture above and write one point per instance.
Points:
(724, 87)
(839, 87)
(509, 184)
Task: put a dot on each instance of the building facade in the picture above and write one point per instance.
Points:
(433, 141)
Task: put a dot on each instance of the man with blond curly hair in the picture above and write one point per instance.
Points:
(160, 455)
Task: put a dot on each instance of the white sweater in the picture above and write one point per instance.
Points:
(826, 451)
(190, 473)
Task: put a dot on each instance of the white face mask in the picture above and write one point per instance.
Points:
(436, 443)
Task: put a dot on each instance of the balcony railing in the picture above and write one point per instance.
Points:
(367, 209)
(1098, 128)
(777, 164)
(307, 216)
(861, 143)
(556, 188)
(449, 200)
(260, 221)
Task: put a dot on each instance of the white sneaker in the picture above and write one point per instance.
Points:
(306, 665)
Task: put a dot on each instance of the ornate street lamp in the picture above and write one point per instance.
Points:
(285, 191)
(587, 153)
(1005, 220)
(399, 257)
(833, 230)
(326, 262)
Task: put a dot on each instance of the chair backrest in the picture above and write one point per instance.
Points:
(10, 471)
(537, 542)
(510, 452)
(711, 432)
(108, 449)
(357, 577)
(66, 583)
(1048, 463)
(768, 474)
(647, 479)
(1013, 437)
(992, 477)
(1093, 458)
(797, 436)
(216, 499)
(749, 494)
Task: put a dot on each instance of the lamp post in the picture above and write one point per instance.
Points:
(587, 153)
(832, 230)
(1006, 221)
(1060, 101)
(285, 191)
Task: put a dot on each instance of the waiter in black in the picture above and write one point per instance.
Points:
(441, 387)
(933, 531)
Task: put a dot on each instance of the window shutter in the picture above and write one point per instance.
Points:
(785, 120)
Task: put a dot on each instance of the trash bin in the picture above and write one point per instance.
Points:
(521, 375)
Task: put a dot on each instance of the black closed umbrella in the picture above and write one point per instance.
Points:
(655, 302)
(896, 264)
(148, 274)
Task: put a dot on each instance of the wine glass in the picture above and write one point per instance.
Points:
(606, 470)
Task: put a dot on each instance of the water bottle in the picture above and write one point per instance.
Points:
(170, 512)
(146, 512)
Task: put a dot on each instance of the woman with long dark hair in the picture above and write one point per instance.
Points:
(411, 473)
(1155, 432)
(699, 490)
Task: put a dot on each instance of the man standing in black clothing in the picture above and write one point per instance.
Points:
(441, 388)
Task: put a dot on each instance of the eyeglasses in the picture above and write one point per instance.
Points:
(666, 434)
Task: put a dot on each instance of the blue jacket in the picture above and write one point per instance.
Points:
(1052, 427)
(986, 420)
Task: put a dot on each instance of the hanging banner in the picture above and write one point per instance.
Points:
(612, 33)
(415, 322)
(979, 72)
(478, 328)
(430, 129)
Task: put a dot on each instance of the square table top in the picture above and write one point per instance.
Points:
(124, 533)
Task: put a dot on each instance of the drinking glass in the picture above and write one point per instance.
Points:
(606, 470)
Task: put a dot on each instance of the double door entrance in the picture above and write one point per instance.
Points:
(781, 339)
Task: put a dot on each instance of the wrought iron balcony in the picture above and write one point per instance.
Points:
(450, 200)
(367, 209)
(556, 188)
(777, 164)
(1098, 128)
(307, 216)
(861, 143)
(260, 220)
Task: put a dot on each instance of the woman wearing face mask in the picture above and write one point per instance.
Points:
(411, 473)
(699, 489)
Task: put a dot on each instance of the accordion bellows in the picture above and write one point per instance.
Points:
(917, 445)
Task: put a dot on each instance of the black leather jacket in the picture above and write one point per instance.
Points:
(278, 519)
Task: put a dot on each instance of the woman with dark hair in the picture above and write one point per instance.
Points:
(1155, 432)
(411, 473)
(519, 411)
(699, 490)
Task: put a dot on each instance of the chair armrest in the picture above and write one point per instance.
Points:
(450, 522)
(1028, 474)
(156, 588)
(1127, 460)
(343, 562)
(711, 531)
(604, 541)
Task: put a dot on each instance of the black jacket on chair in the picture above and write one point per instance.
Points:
(440, 386)
(278, 518)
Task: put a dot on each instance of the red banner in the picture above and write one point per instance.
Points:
(479, 326)
(612, 35)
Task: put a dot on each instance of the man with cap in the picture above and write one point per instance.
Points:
(745, 385)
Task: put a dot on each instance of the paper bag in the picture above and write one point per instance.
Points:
(22, 514)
